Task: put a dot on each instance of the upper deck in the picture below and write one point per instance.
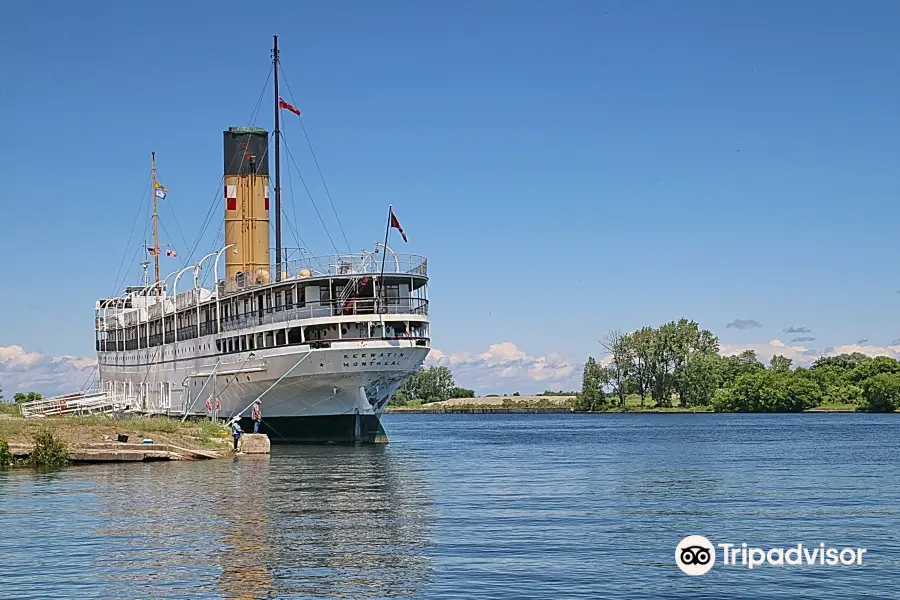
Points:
(321, 288)
(340, 266)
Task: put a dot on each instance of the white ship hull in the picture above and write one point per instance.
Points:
(334, 394)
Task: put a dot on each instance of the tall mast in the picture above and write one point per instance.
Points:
(277, 164)
(155, 223)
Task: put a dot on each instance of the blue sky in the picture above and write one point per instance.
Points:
(567, 167)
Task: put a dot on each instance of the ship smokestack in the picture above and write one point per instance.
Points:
(247, 205)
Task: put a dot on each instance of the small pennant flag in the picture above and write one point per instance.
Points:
(396, 225)
(160, 190)
(290, 107)
(170, 252)
(152, 251)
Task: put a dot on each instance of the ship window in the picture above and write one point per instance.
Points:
(392, 294)
(277, 301)
(288, 299)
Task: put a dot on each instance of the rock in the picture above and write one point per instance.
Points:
(255, 443)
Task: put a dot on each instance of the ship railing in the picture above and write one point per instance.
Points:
(155, 310)
(333, 265)
(367, 306)
(69, 404)
(187, 299)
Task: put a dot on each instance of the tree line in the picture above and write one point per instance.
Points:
(679, 365)
(429, 384)
(22, 397)
(435, 384)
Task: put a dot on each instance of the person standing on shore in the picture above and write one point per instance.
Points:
(236, 432)
(256, 415)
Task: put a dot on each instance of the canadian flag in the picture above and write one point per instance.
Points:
(290, 107)
(396, 225)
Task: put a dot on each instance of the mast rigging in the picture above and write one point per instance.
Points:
(277, 163)
(155, 223)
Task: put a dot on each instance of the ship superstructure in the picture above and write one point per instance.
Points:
(322, 342)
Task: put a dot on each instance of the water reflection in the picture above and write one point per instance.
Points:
(335, 522)
(247, 532)
(352, 523)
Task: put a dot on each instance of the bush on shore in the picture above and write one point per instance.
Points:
(48, 451)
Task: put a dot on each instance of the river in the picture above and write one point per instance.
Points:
(473, 506)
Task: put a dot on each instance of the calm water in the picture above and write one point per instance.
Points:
(473, 506)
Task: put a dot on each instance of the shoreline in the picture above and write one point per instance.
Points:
(563, 410)
(103, 438)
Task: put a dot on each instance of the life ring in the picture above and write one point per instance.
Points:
(218, 404)
(208, 405)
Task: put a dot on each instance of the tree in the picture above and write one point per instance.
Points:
(591, 396)
(735, 366)
(661, 353)
(768, 391)
(699, 378)
(461, 392)
(826, 376)
(429, 384)
(621, 364)
(847, 362)
(641, 342)
(871, 368)
(20, 398)
(688, 343)
(780, 363)
(881, 393)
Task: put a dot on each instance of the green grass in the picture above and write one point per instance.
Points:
(11, 427)
(837, 406)
(9, 409)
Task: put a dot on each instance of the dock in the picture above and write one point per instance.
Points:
(104, 452)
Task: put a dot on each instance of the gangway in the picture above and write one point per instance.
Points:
(78, 403)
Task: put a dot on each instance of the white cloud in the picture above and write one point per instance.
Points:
(23, 371)
(503, 368)
(801, 355)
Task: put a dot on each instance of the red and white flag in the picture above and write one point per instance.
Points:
(290, 107)
(170, 252)
(396, 225)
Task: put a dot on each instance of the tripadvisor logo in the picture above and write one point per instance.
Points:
(696, 555)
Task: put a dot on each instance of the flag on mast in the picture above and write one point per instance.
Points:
(170, 252)
(160, 190)
(396, 225)
(152, 251)
(286, 106)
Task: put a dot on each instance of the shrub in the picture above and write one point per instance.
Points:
(881, 393)
(48, 451)
(6, 457)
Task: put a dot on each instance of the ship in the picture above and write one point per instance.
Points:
(321, 342)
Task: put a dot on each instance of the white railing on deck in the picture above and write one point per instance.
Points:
(331, 265)
(70, 404)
